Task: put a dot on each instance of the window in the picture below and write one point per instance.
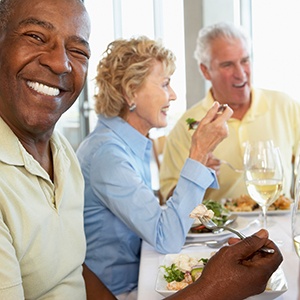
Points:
(276, 45)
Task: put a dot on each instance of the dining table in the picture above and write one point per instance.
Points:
(279, 228)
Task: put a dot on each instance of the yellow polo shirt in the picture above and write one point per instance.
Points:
(272, 115)
(42, 243)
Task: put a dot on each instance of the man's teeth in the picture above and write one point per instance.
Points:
(43, 89)
(240, 85)
(165, 109)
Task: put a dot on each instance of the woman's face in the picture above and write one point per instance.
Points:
(152, 101)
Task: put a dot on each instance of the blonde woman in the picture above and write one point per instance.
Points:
(134, 95)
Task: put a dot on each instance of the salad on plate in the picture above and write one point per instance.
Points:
(175, 273)
(215, 211)
(183, 271)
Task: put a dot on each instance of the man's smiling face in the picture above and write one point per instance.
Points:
(229, 71)
(44, 55)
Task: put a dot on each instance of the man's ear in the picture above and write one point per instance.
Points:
(205, 71)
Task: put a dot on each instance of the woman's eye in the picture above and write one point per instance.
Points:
(166, 83)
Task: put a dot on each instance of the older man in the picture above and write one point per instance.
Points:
(44, 55)
(223, 55)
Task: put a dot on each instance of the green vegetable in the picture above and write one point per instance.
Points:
(204, 260)
(220, 212)
(192, 123)
(195, 272)
(173, 273)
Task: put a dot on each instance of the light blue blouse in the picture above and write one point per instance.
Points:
(120, 207)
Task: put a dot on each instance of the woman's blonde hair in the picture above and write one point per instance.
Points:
(123, 69)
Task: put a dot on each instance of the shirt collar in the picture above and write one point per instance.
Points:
(137, 142)
(12, 152)
(259, 105)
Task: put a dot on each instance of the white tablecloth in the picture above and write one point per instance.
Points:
(280, 232)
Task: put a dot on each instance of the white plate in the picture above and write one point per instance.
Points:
(258, 211)
(277, 284)
(239, 224)
(161, 283)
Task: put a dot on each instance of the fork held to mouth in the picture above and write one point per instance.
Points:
(221, 108)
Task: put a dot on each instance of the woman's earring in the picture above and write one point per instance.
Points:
(132, 107)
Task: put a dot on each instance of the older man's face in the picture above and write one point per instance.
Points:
(44, 55)
(229, 71)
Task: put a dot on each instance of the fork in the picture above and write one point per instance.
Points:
(208, 223)
(210, 244)
(231, 166)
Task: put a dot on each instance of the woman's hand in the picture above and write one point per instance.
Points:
(213, 163)
(212, 129)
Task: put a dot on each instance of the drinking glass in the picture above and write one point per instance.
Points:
(296, 215)
(296, 170)
(263, 174)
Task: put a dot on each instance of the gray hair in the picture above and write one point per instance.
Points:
(6, 8)
(219, 30)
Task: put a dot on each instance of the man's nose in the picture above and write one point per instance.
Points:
(57, 60)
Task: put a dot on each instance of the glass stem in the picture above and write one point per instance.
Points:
(264, 213)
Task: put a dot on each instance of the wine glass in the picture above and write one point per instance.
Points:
(296, 213)
(296, 171)
(263, 174)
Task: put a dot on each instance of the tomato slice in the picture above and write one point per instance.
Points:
(199, 229)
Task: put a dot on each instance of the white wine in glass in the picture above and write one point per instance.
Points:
(297, 244)
(263, 174)
(296, 215)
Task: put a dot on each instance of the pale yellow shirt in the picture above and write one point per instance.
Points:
(42, 243)
(272, 115)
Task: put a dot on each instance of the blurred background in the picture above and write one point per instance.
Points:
(273, 26)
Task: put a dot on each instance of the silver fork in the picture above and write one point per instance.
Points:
(210, 244)
(231, 166)
(208, 223)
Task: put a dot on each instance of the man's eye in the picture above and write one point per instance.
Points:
(81, 52)
(34, 36)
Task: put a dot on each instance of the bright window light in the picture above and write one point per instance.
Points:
(276, 45)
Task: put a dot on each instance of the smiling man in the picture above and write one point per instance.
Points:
(44, 55)
(223, 56)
